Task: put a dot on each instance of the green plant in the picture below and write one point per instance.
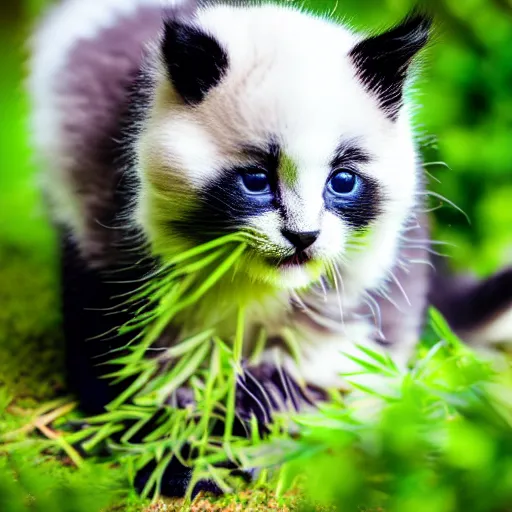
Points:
(437, 438)
(25, 486)
(203, 362)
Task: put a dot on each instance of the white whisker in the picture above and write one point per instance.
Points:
(423, 262)
(431, 176)
(338, 292)
(400, 287)
(334, 9)
(437, 164)
(385, 295)
(375, 309)
(447, 201)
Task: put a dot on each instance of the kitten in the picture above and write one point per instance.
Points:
(160, 127)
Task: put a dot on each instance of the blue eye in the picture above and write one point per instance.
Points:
(256, 182)
(343, 183)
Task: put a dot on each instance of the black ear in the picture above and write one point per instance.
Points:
(383, 61)
(195, 61)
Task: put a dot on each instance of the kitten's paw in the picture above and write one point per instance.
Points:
(266, 389)
(262, 390)
(176, 481)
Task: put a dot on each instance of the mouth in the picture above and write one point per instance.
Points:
(295, 260)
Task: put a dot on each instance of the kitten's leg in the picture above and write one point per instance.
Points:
(261, 391)
(324, 358)
(267, 388)
(87, 298)
(90, 304)
(326, 355)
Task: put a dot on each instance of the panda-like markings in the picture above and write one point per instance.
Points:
(160, 127)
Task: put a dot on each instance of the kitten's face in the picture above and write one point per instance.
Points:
(287, 144)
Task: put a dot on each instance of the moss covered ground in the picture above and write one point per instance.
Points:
(32, 385)
(467, 105)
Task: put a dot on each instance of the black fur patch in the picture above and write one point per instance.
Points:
(92, 311)
(224, 206)
(195, 60)
(469, 304)
(383, 61)
(175, 481)
(367, 207)
(267, 157)
(347, 156)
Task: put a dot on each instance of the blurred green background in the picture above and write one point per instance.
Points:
(465, 121)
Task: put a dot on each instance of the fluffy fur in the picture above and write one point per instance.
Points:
(151, 120)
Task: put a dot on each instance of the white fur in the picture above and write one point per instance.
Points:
(289, 75)
(64, 26)
(323, 357)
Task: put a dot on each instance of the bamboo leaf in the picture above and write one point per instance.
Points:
(188, 345)
(186, 370)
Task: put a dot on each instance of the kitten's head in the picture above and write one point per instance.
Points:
(271, 121)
